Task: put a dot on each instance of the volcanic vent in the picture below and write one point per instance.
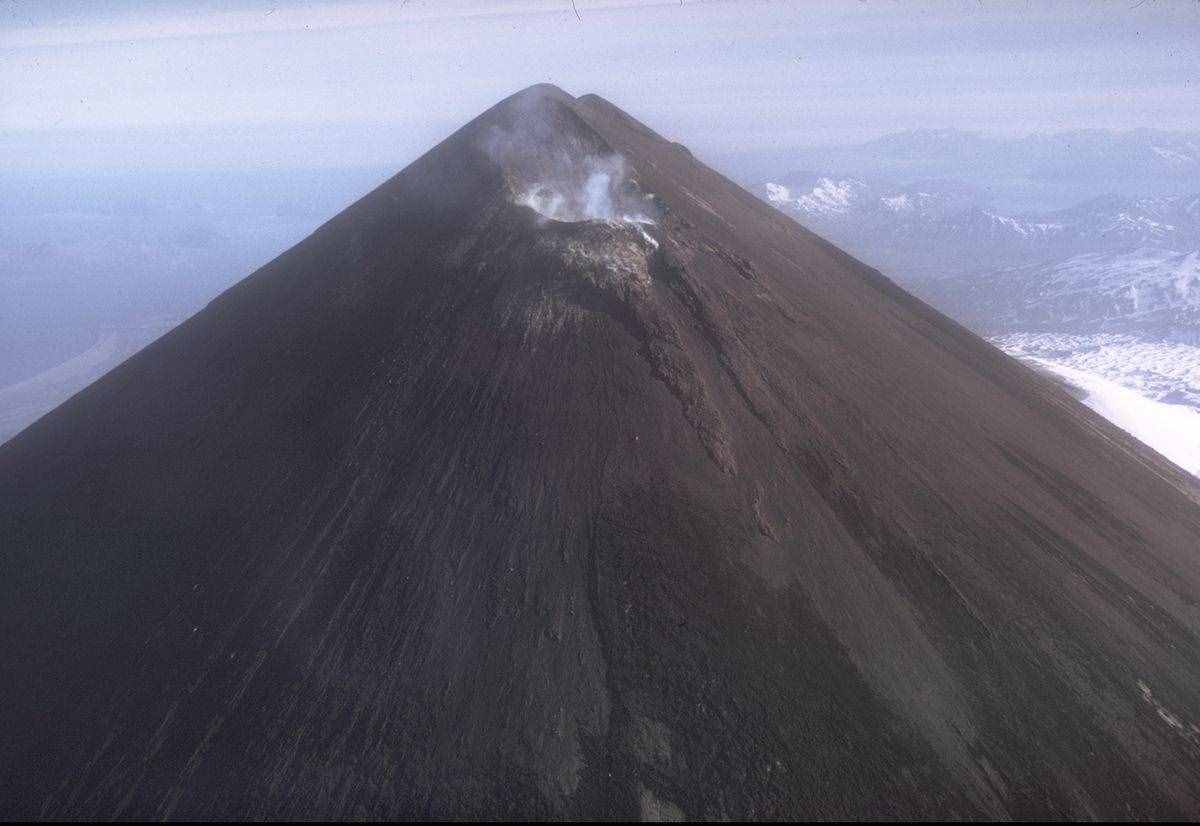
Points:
(557, 165)
(559, 476)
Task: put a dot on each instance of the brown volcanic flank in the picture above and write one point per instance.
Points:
(454, 511)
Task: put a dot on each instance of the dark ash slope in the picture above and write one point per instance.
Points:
(453, 511)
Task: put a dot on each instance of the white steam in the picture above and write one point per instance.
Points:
(600, 191)
(558, 166)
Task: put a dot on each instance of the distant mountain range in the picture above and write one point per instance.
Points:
(1142, 154)
(1148, 291)
(938, 228)
(1026, 174)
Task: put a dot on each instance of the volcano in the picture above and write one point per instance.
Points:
(561, 477)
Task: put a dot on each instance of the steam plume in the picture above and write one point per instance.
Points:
(562, 171)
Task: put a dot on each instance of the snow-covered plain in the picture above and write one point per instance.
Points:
(1151, 390)
(1162, 371)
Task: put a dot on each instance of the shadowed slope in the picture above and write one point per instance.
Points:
(456, 510)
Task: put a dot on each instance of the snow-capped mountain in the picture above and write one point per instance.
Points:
(944, 228)
(822, 196)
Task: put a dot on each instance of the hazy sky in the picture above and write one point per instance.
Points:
(280, 82)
